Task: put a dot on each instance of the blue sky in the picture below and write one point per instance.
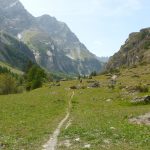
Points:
(102, 25)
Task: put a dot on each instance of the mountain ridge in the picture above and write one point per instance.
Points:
(57, 41)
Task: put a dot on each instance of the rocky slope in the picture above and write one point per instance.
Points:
(135, 51)
(14, 18)
(53, 44)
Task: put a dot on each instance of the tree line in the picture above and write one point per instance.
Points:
(33, 77)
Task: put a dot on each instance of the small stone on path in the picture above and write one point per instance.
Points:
(87, 146)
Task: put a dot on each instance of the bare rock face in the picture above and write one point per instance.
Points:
(135, 51)
(14, 18)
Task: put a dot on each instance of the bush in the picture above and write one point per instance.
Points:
(36, 84)
(7, 84)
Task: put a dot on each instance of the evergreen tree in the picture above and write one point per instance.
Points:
(35, 77)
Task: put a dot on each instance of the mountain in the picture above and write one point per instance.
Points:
(14, 18)
(135, 51)
(54, 45)
(13, 52)
(103, 59)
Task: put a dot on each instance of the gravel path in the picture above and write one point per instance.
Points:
(52, 143)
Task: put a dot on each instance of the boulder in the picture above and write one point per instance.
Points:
(63, 79)
(145, 99)
(77, 87)
(144, 119)
(114, 77)
(90, 81)
(73, 87)
(94, 85)
(58, 84)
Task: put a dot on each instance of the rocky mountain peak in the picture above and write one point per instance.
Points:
(54, 45)
(10, 4)
(14, 17)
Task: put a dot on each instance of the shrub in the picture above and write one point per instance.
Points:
(36, 84)
(7, 84)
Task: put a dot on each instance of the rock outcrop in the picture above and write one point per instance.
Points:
(135, 51)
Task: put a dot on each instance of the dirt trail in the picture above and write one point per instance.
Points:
(52, 143)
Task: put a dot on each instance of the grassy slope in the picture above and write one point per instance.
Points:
(104, 124)
(27, 119)
(14, 70)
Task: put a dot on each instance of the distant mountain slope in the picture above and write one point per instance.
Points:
(55, 47)
(12, 69)
(103, 59)
(53, 57)
(135, 51)
(14, 52)
(64, 38)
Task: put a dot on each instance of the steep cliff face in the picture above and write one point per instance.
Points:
(135, 51)
(53, 44)
(63, 37)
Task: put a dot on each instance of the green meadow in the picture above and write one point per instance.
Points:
(99, 117)
(26, 120)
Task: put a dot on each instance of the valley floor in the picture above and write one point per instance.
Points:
(99, 117)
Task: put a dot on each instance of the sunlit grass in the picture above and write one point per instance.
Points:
(27, 119)
(100, 117)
